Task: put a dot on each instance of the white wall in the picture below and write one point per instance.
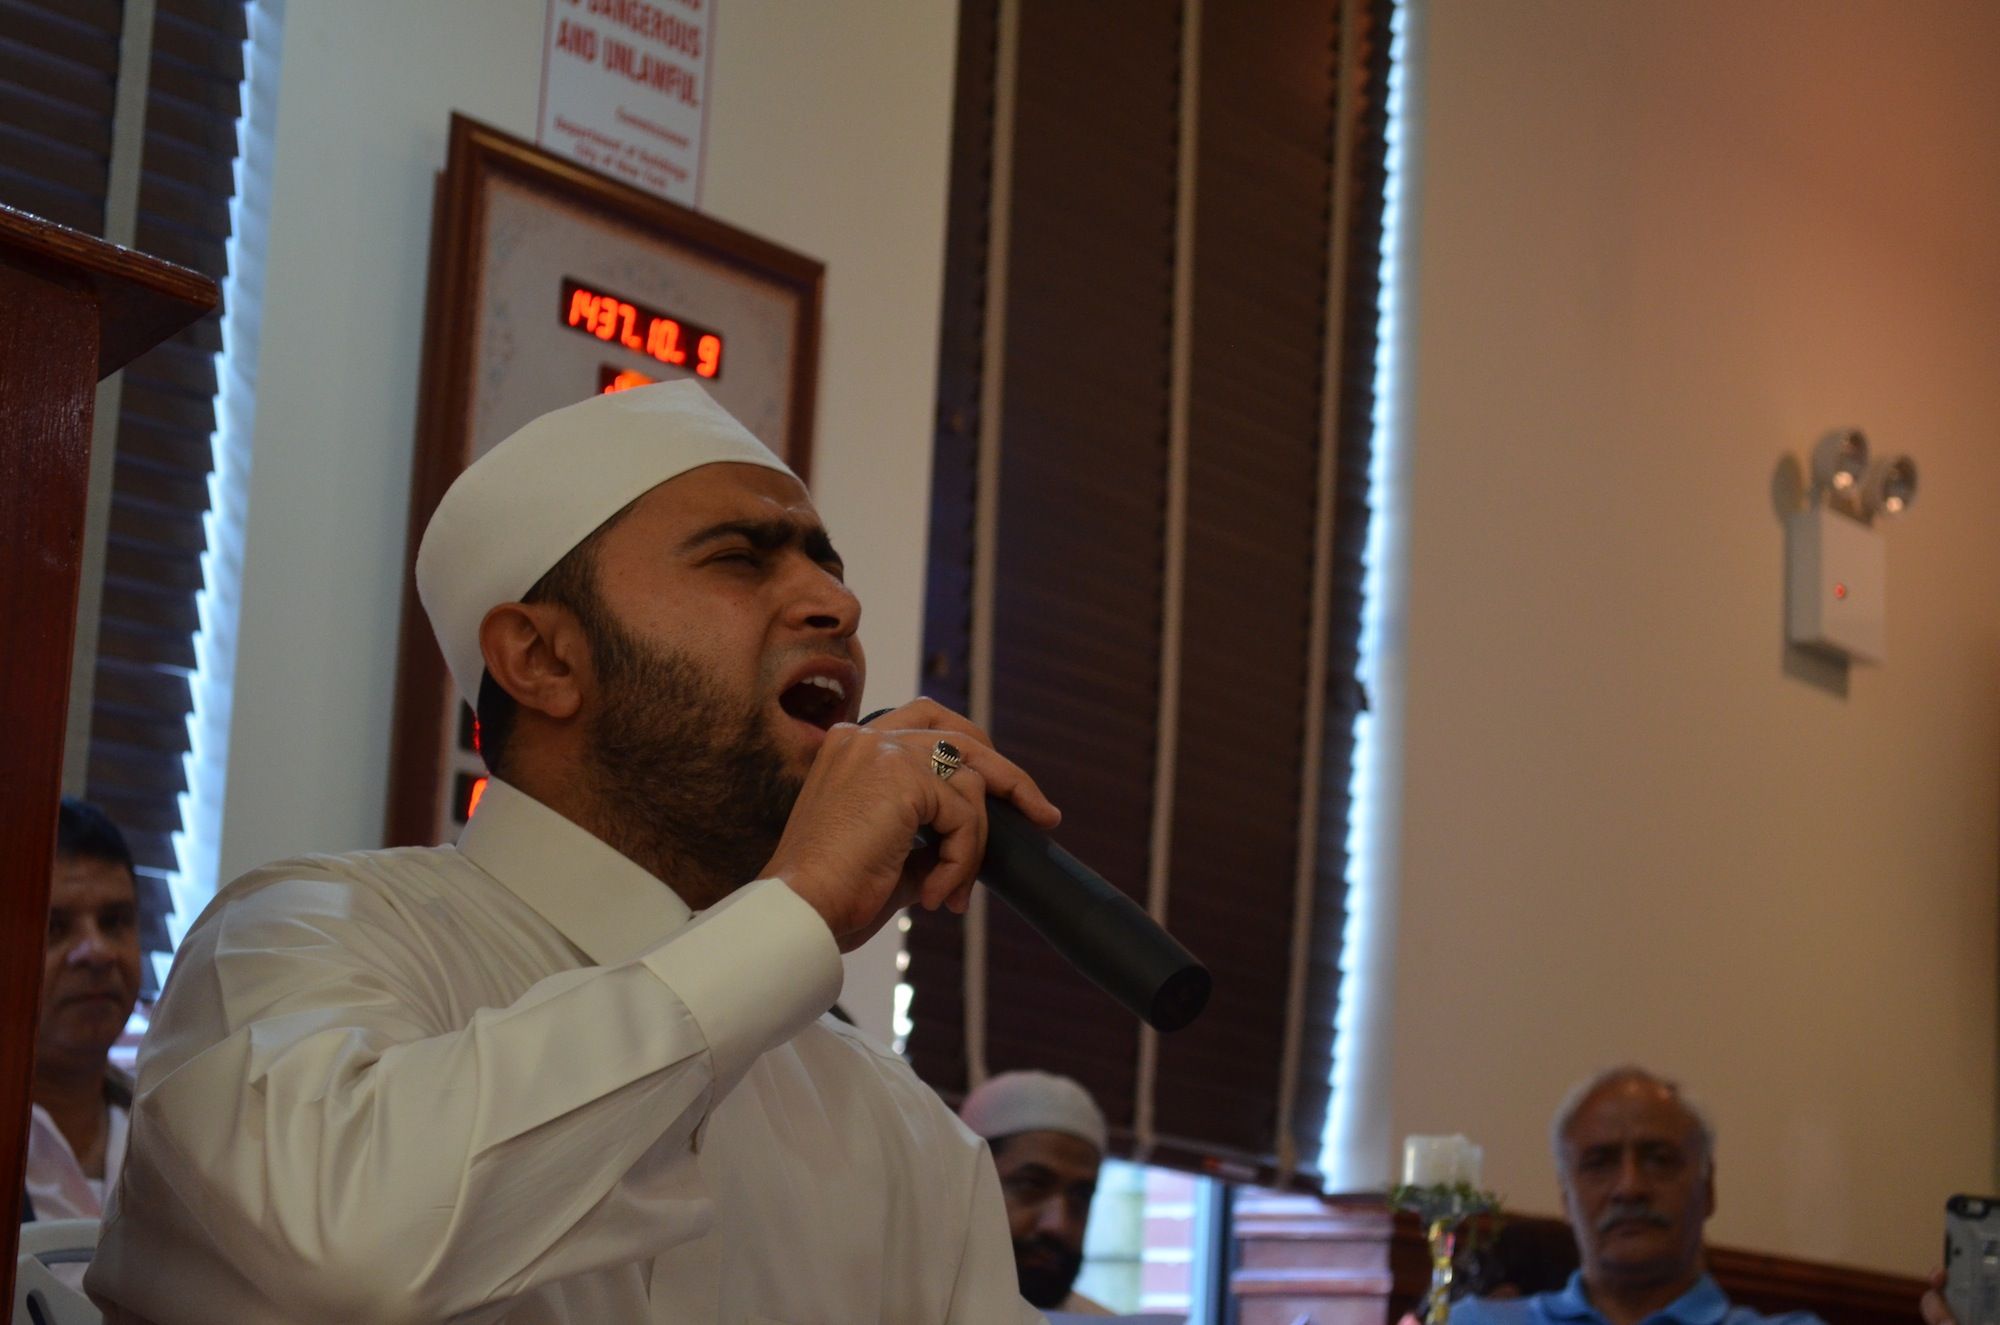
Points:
(827, 133)
(1660, 248)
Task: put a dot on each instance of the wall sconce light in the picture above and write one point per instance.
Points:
(1890, 487)
(1837, 583)
(1839, 463)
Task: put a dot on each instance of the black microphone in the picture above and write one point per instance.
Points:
(1102, 932)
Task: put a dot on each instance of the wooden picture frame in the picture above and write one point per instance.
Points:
(514, 225)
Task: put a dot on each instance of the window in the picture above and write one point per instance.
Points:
(1151, 1245)
(1149, 508)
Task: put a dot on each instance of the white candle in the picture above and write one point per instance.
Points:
(1440, 1161)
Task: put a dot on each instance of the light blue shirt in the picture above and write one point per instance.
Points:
(1703, 1304)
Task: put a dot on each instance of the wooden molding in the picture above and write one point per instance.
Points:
(1840, 1294)
(140, 300)
(1349, 1259)
(71, 309)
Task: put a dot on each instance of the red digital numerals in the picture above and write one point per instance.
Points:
(665, 339)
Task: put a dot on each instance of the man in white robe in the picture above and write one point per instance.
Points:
(1048, 1139)
(575, 1068)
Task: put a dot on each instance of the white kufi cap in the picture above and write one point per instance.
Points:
(1033, 1102)
(519, 509)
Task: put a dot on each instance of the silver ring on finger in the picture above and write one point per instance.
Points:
(946, 760)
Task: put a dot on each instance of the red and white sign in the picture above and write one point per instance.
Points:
(625, 89)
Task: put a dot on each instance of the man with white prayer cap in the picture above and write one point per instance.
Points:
(1048, 1140)
(575, 1068)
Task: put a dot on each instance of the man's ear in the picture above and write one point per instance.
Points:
(536, 652)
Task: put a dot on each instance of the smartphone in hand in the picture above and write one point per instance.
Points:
(1972, 1259)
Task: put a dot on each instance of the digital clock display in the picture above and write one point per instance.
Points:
(612, 379)
(668, 340)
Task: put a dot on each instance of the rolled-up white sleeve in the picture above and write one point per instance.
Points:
(324, 1126)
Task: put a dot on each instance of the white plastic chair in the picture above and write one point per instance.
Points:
(40, 1296)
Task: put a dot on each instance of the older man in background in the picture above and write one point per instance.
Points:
(1636, 1163)
(1048, 1139)
(90, 980)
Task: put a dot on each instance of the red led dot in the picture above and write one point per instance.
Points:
(1840, 591)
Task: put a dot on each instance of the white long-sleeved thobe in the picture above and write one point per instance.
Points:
(514, 1080)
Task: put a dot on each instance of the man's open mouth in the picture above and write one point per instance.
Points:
(818, 700)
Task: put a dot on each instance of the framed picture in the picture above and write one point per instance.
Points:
(550, 283)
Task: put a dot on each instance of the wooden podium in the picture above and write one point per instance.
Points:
(72, 310)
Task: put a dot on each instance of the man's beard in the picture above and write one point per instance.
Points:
(1046, 1283)
(690, 783)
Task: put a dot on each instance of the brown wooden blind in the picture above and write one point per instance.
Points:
(58, 79)
(166, 424)
(59, 62)
(1077, 621)
(1077, 614)
(1082, 531)
(1264, 178)
(935, 945)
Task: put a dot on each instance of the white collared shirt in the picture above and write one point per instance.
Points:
(57, 1185)
(516, 1081)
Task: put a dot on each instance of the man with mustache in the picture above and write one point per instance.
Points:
(1048, 1139)
(575, 1068)
(90, 979)
(1636, 1165)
